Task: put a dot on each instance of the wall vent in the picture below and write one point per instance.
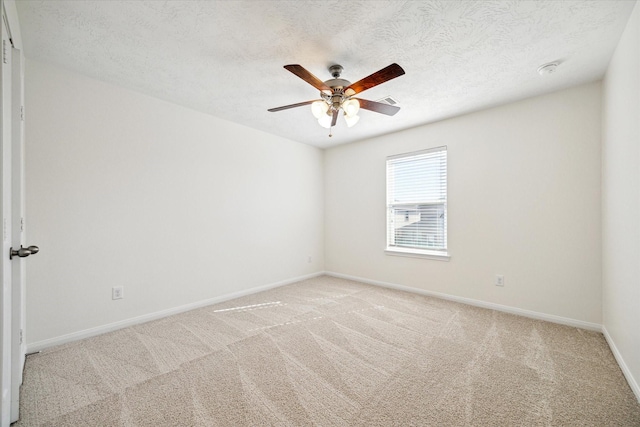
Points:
(388, 100)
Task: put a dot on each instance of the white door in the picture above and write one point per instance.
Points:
(18, 346)
(5, 262)
(12, 319)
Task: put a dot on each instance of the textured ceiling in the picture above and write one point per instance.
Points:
(225, 57)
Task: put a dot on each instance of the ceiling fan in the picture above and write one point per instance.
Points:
(338, 94)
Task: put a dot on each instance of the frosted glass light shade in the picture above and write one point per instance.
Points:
(325, 121)
(319, 109)
(351, 107)
(351, 120)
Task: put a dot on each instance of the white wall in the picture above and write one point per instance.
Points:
(621, 201)
(524, 201)
(175, 205)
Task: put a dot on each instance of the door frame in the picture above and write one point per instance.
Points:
(5, 189)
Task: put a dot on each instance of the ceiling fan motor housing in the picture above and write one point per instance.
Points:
(337, 85)
(337, 96)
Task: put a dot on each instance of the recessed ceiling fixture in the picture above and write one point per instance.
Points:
(337, 94)
(549, 68)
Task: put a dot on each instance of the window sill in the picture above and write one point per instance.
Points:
(418, 253)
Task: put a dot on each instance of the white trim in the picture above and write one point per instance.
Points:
(417, 253)
(490, 305)
(418, 153)
(623, 366)
(14, 23)
(98, 330)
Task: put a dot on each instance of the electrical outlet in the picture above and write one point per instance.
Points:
(499, 281)
(117, 292)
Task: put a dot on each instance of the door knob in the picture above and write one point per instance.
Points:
(23, 252)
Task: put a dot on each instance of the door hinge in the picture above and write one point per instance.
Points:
(22, 113)
(21, 337)
(4, 51)
(22, 224)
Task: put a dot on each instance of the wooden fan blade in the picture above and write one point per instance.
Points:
(299, 104)
(378, 107)
(305, 75)
(334, 120)
(379, 77)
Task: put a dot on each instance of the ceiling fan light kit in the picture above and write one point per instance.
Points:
(351, 120)
(337, 95)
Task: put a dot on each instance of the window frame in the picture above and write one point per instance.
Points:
(441, 255)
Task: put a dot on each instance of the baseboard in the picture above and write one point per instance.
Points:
(504, 308)
(63, 339)
(623, 366)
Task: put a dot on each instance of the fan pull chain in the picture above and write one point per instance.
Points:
(330, 130)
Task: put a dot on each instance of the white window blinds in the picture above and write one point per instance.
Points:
(417, 200)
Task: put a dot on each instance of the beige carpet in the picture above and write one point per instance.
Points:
(332, 352)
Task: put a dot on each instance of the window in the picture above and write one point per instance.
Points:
(417, 204)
